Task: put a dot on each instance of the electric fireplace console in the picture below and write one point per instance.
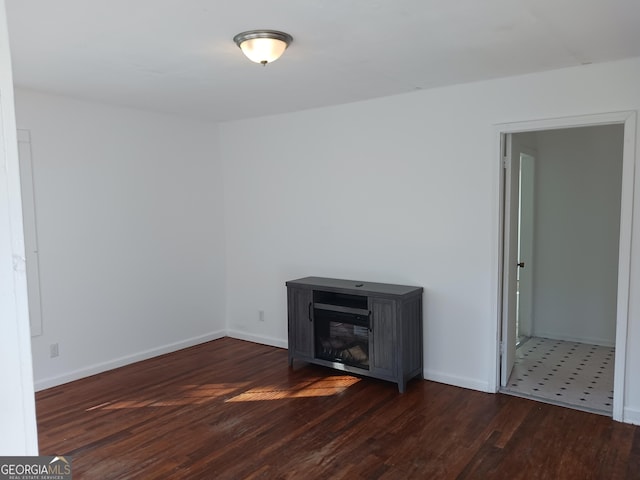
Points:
(371, 329)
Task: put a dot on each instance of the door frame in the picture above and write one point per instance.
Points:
(628, 119)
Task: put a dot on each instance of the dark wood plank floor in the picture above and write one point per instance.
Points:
(234, 409)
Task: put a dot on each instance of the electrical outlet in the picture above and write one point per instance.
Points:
(53, 350)
(261, 315)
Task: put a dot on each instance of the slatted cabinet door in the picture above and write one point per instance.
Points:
(383, 355)
(300, 302)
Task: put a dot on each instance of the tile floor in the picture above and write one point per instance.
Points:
(567, 373)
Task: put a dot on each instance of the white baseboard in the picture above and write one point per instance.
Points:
(250, 337)
(631, 415)
(126, 360)
(464, 382)
(590, 341)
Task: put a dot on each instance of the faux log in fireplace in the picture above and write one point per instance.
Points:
(371, 329)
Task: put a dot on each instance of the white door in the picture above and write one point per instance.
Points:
(30, 232)
(525, 245)
(510, 260)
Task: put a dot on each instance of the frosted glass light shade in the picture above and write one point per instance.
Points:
(263, 46)
(263, 50)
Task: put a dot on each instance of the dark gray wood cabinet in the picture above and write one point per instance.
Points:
(371, 329)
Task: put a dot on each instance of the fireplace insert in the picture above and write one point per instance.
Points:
(342, 337)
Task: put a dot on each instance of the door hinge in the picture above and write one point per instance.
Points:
(505, 162)
(501, 348)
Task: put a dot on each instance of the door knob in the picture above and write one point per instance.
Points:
(521, 264)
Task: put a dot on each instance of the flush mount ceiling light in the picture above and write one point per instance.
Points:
(263, 46)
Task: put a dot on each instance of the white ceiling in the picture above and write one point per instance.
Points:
(177, 56)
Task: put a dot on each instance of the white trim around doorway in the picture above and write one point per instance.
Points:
(628, 119)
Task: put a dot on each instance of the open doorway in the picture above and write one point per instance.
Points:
(565, 250)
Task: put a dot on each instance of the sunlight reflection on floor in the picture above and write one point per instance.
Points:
(200, 394)
(320, 388)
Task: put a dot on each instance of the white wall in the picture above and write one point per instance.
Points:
(129, 221)
(578, 185)
(402, 189)
(18, 435)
